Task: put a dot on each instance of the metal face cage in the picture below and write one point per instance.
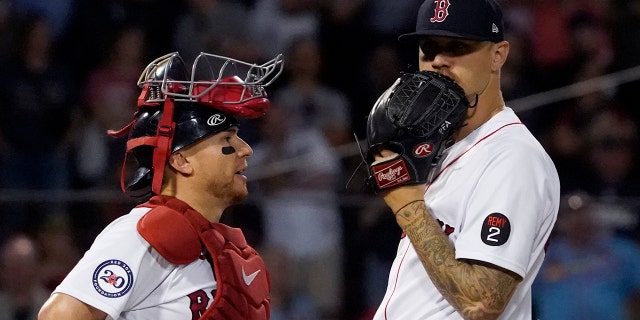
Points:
(214, 80)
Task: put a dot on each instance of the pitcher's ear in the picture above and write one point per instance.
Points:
(500, 53)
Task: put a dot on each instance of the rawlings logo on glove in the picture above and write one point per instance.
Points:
(391, 173)
(415, 118)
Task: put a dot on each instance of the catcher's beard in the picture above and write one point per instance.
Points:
(228, 190)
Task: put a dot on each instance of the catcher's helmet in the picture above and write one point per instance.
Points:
(176, 110)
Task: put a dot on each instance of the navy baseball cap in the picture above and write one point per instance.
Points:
(479, 20)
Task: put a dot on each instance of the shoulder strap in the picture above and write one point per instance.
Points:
(169, 232)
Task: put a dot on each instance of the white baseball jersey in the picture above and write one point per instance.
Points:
(122, 275)
(496, 196)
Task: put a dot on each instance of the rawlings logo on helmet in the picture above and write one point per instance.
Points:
(216, 119)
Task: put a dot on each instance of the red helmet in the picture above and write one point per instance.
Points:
(174, 107)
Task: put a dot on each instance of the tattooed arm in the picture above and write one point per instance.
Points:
(477, 290)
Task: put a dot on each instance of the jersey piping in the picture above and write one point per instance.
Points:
(465, 152)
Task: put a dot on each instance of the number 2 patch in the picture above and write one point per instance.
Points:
(496, 229)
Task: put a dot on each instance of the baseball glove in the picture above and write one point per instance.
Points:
(415, 118)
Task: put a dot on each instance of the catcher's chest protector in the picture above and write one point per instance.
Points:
(178, 233)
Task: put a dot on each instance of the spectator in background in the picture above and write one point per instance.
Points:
(7, 26)
(384, 20)
(274, 24)
(518, 86)
(565, 141)
(56, 12)
(554, 31)
(21, 291)
(518, 16)
(342, 27)
(60, 251)
(109, 98)
(387, 19)
(215, 26)
(93, 23)
(592, 57)
(376, 253)
(308, 100)
(612, 172)
(37, 108)
(383, 65)
(286, 302)
(549, 38)
(566, 133)
(612, 138)
(625, 25)
(591, 45)
(569, 42)
(588, 272)
(300, 205)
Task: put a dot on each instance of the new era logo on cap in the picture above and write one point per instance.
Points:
(479, 20)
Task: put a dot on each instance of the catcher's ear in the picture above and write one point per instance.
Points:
(179, 163)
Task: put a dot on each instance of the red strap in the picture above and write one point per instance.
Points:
(142, 141)
(117, 134)
(164, 136)
(123, 171)
(123, 131)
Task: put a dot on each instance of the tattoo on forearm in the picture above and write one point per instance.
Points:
(474, 290)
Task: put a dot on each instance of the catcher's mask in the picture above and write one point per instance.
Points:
(176, 109)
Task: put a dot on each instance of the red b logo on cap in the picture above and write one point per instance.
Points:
(441, 10)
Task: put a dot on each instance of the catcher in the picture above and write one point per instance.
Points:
(169, 258)
(474, 192)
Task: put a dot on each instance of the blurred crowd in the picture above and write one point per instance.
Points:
(69, 72)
